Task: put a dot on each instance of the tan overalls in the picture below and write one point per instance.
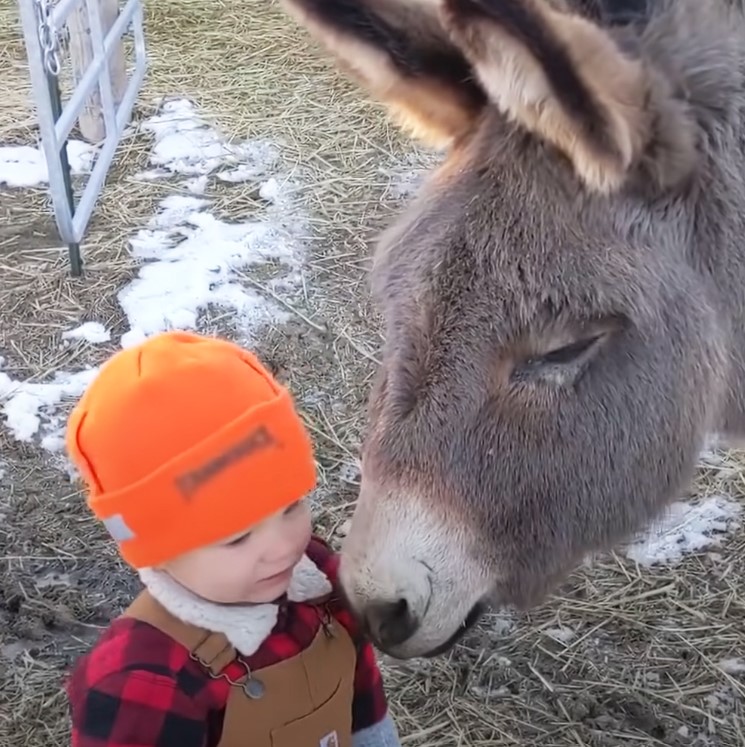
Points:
(305, 701)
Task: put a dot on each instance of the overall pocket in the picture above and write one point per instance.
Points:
(329, 725)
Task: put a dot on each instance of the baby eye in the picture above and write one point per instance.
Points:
(293, 507)
(238, 540)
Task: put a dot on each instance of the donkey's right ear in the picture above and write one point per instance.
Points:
(398, 50)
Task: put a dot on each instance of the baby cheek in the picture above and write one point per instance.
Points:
(242, 563)
(303, 524)
(236, 575)
(302, 535)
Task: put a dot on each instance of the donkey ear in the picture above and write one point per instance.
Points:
(398, 50)
(564, 78)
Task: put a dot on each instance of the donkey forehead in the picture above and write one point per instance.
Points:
(520, 238)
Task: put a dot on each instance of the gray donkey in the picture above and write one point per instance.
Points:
(564, 301)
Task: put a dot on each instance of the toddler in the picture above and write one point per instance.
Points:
(197, 464)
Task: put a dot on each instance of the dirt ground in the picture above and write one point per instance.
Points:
(620, 656)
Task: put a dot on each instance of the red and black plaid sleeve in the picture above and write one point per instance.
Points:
(116, 701)
(369, 706)
(137, 708)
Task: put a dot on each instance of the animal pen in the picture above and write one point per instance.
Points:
(101, 101)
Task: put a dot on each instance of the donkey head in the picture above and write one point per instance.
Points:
(552, 363)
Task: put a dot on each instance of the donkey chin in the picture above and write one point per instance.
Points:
(416, 592)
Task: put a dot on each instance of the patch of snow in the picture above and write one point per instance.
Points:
(197, 262)
(349, 472)
(196, 259)
(55, 440)
(52, 579)
(722, 701)
(501, 623)
(257, 159)
(150, 175)
(502, 662)
(715, 456)
(11, 651)
(196, 185)
(406, 179)
(735, 665)
(186, 144)
(686, 528)
(561, 634)
(486, 692)
(712, 458)
(406, 184)
(237, 175)
(30, 408)
(93, 332)
(26, 166)
(271, 191)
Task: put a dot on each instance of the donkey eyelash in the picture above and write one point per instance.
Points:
(569, 352)
(562, 355)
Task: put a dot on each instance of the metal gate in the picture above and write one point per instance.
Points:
(42, 22)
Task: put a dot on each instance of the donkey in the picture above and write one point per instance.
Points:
(564, 301)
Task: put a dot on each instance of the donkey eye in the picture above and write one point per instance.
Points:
(560, 365)
(570, 352)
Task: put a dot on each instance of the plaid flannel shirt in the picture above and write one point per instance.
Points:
(139, 688)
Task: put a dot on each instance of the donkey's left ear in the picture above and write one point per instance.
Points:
(564, 78)
(399, 52)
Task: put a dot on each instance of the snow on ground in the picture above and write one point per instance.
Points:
(31, 409)
(93, 332)
(191, 259)
(405, 181)
(26, 166)
(735, 665)
(350, 472)
(406, 184)
(194, 259)
(561, 634)
(685, 528)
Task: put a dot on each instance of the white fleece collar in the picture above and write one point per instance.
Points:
(246, 627)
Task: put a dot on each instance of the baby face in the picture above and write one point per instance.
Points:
(253, 566)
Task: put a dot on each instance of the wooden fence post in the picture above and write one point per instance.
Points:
(91, 120)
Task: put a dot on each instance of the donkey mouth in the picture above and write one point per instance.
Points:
(471, 619)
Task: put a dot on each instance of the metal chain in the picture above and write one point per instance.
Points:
(48, 36)
(252, 687)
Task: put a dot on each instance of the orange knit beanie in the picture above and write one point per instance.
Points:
(185, 440)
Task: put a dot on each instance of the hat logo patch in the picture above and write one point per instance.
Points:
(258, 440)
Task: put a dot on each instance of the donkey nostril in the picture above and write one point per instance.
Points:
(391, 623)
(399, 614)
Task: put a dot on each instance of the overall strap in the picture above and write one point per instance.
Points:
(306, 701)
(212, 650)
